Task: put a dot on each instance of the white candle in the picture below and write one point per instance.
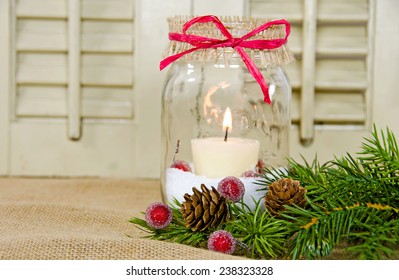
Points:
(216, 157)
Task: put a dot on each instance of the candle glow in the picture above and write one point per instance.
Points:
(227, 123)
(227, 120)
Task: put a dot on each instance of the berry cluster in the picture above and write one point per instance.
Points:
(159, 215)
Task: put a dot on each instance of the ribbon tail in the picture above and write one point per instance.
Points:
(255, 73)
(170, 59)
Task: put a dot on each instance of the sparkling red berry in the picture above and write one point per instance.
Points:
(222, 241)
(260, 165)
(232, 188)
(182, 165)
(249, 174)
(158, 215)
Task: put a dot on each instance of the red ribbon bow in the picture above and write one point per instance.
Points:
(201, 42)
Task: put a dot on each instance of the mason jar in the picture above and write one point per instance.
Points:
(215, 121)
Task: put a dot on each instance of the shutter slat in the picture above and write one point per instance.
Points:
(332, 75)
(41, 68)
(342, 39)
(343, 18)
(41, 9)
(107, 102)
(41, 35)
(339, 10)
(100, 36)
(341, 85)
(50, 101)
(341, 73)
(41, 101)
(289, 9)
(342, 52)
(107, 9)
(203, 7)
(107, 70)
(333, 108)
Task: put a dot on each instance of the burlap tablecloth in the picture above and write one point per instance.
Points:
(81, 219)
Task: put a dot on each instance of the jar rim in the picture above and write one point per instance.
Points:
(237, 26)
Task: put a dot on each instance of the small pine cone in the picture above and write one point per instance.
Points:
(203, 210)
(285, 191)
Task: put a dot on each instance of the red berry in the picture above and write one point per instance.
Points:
(249, 174)
(182, 165)
(222, 241)
(261, 164)
(232, 188)
(158, 215)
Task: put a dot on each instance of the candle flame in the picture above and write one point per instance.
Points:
(227, 120)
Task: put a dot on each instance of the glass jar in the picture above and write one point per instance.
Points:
(215, 122)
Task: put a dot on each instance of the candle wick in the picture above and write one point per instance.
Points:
(177, 149)
(225, 135)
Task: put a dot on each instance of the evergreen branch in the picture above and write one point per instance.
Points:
(375, 240)
(380, 156)
(312, 175)
(344, 194)
(374, 175)
(352, 201)
(265, 235)
(318, 231)
(382, 147)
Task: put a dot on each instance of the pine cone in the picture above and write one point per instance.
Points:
(206, 209)
(285, 191)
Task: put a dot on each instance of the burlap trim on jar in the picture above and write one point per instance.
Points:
(237, 26)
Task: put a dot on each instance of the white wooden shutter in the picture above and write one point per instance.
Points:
(74, 60)
(71, 78)
(331, 78)
(5, 83)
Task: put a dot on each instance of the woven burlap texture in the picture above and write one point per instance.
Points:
(82, 219)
